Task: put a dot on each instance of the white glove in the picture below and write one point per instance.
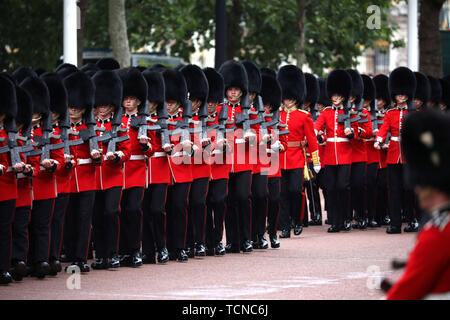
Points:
(317, 168)
(276, 146)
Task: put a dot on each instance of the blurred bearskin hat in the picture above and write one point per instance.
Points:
(24, 108)
(270, 91)
(156, 88)
(216, 85)
(357, 85)
(253, 76)
(292, 82)
(312, 88)
(39, 94)
(339, 82)
(108, 64)
(80, 91)
(108, 89)
(234, 75)
(22, 73)
(323, 96)
(196, 82)
(8, 103)
(134, 84)
(57, 91)
(402, 82)
(175, 84)
(382, 88)
(423, 89)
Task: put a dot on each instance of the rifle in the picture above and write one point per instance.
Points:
(183, 125)
(276, 123)
(243, 118)
(11, 142)
(163, 125)
(359, 112)
(65, 132)
(90, 134)
(374, 114)
(345, 117)
(141, 123)
(44, 143)
(314, 112)
(260, 111)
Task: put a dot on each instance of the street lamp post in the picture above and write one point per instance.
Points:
(70, 31)
(413, 37)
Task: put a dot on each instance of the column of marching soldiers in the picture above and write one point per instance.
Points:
(153, 164)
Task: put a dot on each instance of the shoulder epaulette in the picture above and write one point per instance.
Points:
(304, 111)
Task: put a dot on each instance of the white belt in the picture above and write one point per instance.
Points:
(240, 141)
(215, 151)
(159, 154)
(21, 176)
(367, 140)
(42, 168)
(395, 139)
(338, 140)
(137, 157)
(180, 154)
(9, 169)
(270, 151)
(84, 161)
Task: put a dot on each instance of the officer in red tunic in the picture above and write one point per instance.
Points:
(301, 127)
(359, 155)
(271, 96)
(338, 150)
(179, 112)
(44, 183)
(77, 230)
(238, 217)
(425, 144)
(159, 176)
(197, 86)
(58, 106)
(109, 175)
(402, 85)
(135, 174)
(383, 104)
(23, 203)
(8, 183)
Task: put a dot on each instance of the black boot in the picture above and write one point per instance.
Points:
(274, 242)
(285, 233)
(163, 255)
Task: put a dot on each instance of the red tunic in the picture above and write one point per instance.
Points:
(359, 150)
(24, 186)
(83, 174)
(158, 171)
(135, 169)
(373, 155)
(110, 174)
(220, 162)
(393, 122)
(428, 267)
(8, 183)
(44, 183)
(338, 149)
(64, 175)
(179, 160)
(300, 126)
(274, 169)
(200, 168)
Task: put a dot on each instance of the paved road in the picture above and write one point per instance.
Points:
(314, 265)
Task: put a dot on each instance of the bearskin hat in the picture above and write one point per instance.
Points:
(423, 89)
(445, 85)
(24, 108)
(156, 88)
(292, 82)
(66, 69)
(108, 64)
(22, 73)
(339, 82)
(108, 89)
(382, 88)
(234, 75)
(270, 91)
(312, 88)
(426, 145)
(369, 88)
(90, 69)
(157, 67)
(80, 91)
(268, 71)
(134, 84)
(436, 90)
(39, 93)
(40, 71)
(323, 97)
(196, 82)
(253, 75)
(10, 77)
(8, 103)
(175, 84)
(402, 82)
(216, 85)
(357, 85)
(57, 91)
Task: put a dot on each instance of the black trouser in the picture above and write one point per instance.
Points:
(216, 208)
(382, 207)
(337, 180)
(176, 210)
(154, 220)
(357, 190)
(399, 190)
(197, 212)
(291, 197)
(6, 219)
(259, 204)
(312, 191)
(371, 191)
(106, 212)
(56, 228)
(274, 186)
(238, 217)
(39, 230)
(77, 228)
(20, 233)
(131, 220)
(322, 185)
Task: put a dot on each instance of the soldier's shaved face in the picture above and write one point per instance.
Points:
(234, 94)
(337, 99)
(212, 106)
(172, 107)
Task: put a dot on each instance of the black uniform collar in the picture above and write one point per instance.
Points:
(78, 124)
(234, 105)
(195, 114)
(37, 126)
(154, 115)
(214, 115)
(131, 115)
(402, 108)
(338, 108)
(55, 125)
(104, 121)
(176, 115)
